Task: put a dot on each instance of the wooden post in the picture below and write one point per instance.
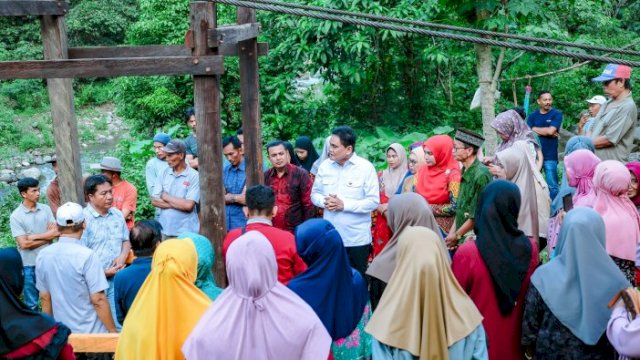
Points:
(65, 128)
(249, 95)
(206, 94)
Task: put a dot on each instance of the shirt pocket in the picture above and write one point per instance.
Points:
(329, 185)
(353, 188)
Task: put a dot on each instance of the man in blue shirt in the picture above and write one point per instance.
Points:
(546, 122)
(234, 178)
(145, 237)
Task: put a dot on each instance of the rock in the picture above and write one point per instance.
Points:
(39, 160)
(36, 153)
(25, 163)
(6, 171)
(47, 158)
(32, 172)
(7, 178)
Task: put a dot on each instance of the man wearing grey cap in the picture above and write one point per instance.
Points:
(176, 192)
(475, 176)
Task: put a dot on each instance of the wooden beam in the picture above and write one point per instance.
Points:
(172, 65)
(101, 52)
(206, 96)
(250, 97)
(65, 127)
(94, 343)
(233, 34)
(33, 7)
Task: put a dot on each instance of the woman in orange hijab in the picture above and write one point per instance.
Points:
(438, 180)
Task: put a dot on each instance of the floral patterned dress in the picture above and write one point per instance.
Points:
(356, 346)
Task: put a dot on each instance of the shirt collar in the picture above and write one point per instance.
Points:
(95, 212)
(351, 160)
(68, 240)
(142, 260)
(259, 220)
(27, 210)
(184, 173)
(274, 172)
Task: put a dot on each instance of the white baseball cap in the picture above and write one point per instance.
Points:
(598, 99)
(70, 214)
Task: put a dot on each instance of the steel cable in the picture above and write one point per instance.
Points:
(448, 27)
(406, 29)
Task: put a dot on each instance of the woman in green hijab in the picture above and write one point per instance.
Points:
(206, 257)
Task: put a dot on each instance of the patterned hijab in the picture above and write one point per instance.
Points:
(408, 209)
(206, 258)
(510, 124)
(392, 178)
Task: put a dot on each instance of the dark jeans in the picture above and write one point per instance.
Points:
(30, 292)
(359, 257)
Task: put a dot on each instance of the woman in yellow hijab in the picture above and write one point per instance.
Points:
(167, 307)
(424, 313)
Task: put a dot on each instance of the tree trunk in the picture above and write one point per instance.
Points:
(484, 69)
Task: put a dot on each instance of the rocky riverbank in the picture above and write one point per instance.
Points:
(100, 130)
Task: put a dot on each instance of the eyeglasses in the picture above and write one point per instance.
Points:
(413, 161)
(458, 148)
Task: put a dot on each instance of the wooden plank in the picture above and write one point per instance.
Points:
(94, 343)
(32, 7)
(250, 97)
(233, 34)
(101, 52)
(206, 95)
(65, 127)
(170, 65)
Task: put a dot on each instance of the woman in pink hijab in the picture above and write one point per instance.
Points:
(634, 194)
(580, 167)
(257, 317)
(622, 222)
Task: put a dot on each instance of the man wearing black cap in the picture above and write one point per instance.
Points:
(475, 176)
(176, 193)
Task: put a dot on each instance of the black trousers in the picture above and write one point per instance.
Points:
(359, 257)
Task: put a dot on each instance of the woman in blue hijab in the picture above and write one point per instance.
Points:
(206, 258)
(566, 310)
(336, 292)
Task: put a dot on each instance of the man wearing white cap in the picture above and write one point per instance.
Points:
(70, 278)
(595, 103)
(125, 195)
(612, 132)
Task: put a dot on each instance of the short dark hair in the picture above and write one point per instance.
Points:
(232, 140)
(144, 237)
(346, 134)
(543, 92)
(260, 199)
(474, 149)
(92, 183)
(189, 113)
(627, 84)
(239, 132)
(276, 143)
(26, 183)
(70, 229)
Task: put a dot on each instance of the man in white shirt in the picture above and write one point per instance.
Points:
(347, 188)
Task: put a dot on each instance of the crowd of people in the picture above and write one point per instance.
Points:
(444, 254)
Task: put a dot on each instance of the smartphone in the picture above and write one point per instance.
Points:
(567, 202)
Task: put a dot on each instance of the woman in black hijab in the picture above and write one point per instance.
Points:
(292, 155)
(24, 333)
(306, 154)
(495, 267)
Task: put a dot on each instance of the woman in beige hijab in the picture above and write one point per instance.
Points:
(424, 313)
(517, 165)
